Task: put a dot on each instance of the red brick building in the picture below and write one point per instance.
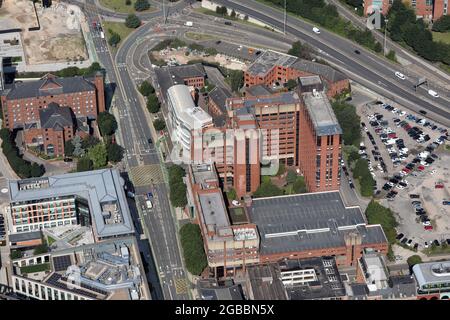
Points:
(319, 143)
(262, 132)
(313, 225)
(56, 126)
(22, 102)
(273, 69)
(52, 110)
(230, 241)
(426, 9)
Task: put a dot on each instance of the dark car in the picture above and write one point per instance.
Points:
(436, 243)
(404, 240)
(416, 246)
(414, 196)
(228, 23)
(423, 112)
(150, 141)
(357, 52)
(218, 42)
(399, 236)
(68, 160)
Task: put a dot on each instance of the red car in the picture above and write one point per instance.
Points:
(392, 135)
(439, 186)
(407, 127)
(421, 168)
(406, 170)
(428, 227)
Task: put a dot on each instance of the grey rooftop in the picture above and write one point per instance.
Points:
(321, 114)
(309, 221)
(100, 188)
(268, 60)
(31, 89)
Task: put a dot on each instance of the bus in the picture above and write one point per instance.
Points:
(102, 35)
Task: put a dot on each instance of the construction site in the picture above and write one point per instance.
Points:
(42, 35)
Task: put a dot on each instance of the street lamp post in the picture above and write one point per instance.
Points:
(164, 12)
(385, 30)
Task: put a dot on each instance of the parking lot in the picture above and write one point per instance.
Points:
(408, 160)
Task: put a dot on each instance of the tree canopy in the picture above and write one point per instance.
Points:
(301, 50)
(442, 24)
(267, 189)
(84, 164)
(193, 249)
(177, 187)
(153, 104)
(132, 21)
(98, 155)
(141, 5)
(159, 124)
(349, 122)
(146, 88)
(106, 123)
(115, 152)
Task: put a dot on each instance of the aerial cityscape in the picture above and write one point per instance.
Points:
(224, 150)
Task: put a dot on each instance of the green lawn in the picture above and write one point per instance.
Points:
(118, 27)
(120, 6)
(442, 36)
(198, 36)
(50, 240)
(36, 268)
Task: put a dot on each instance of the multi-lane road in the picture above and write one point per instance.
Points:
(134, 134)
(131, 63)
(367, 68)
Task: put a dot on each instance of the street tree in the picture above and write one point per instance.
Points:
(132, 21)
(106, 123)
(98, 155)
(141, 5)
(153, 104)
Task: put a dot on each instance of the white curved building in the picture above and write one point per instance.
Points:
(184, 115)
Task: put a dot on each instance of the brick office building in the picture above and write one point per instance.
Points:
(287, 128)
(313, 225)
(273, 69)
(55, 126)
(319, 143)
(426, 9)
(230, 241)
(22, 102)
(53, 110)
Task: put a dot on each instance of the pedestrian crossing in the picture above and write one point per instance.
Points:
(146, 175)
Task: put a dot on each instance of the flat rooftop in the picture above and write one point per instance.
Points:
(310, 80)
(267, 60)
(110, 269)
(265, 282)
(321, 113)
(326, 284)
(247, 104)
(432, 272)
(103, 190)
(309, 221)
(213, 209)
(185, 108)
(170, 76)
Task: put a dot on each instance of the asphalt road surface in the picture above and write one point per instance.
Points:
(367, 66)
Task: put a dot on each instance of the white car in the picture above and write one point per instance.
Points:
(433, 171)
(402, 114)
(400, 75)
(316, 30)
(433, 93)
(235, 202)
(426, 223)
